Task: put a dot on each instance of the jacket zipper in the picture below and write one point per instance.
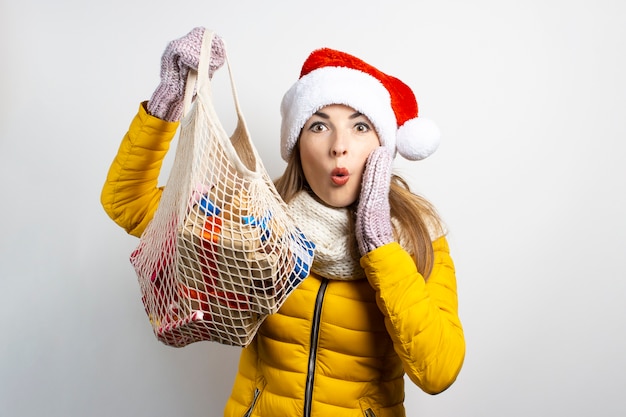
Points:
(315, 328)
(369, 413)
(257, 392)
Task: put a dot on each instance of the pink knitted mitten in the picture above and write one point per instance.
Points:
(180, 55)
(373, 216)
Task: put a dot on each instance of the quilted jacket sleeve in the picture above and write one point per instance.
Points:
(131, 194)
(421, 317)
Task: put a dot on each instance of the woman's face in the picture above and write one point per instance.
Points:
(334, 145)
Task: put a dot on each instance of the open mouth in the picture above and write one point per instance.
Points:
(340, 176)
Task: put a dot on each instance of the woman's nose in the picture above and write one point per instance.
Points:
(339, 145)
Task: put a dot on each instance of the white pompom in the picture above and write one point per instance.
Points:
(417, 139)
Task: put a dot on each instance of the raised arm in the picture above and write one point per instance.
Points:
(421, 316)
(131, 193)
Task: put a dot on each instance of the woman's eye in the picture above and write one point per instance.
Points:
(317, 127)
(362, 127)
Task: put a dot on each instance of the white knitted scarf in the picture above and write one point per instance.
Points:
(336, 252)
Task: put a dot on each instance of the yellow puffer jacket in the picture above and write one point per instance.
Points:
(335, 348)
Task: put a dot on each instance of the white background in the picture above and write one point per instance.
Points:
(530, 178)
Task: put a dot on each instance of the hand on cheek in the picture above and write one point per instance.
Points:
(373, 218)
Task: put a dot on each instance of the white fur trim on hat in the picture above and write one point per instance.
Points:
(336, 85)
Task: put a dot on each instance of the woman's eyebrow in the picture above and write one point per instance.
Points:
(325, 116)
(322, 115)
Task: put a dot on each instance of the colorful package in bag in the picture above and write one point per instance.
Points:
(222, 252)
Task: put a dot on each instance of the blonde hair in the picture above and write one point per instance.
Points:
(414, 216)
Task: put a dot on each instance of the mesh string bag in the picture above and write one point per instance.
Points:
(222, 252)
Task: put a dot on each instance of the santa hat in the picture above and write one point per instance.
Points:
(334, 77)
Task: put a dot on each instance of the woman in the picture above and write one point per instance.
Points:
(380, 301)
